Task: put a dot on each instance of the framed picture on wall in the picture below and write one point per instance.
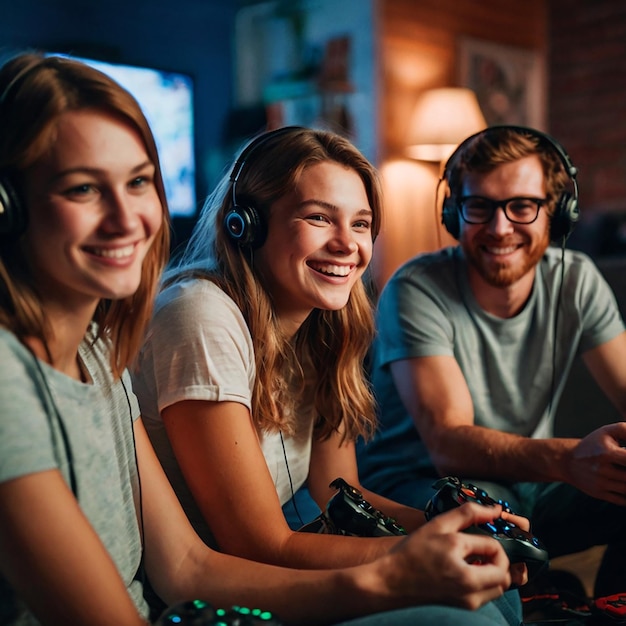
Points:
(509, 81)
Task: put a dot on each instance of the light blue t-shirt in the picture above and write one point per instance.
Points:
(38, 403)
(515, 368)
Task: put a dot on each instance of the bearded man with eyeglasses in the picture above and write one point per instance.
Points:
(475, 343)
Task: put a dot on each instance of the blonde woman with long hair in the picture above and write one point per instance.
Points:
(251, 378)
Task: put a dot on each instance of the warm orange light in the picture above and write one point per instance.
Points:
(441, 119)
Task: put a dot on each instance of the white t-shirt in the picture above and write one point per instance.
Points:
(198, 347)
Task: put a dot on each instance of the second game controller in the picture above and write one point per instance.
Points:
(348, 513)
(519, 545)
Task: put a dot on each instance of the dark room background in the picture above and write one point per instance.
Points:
(582, 44)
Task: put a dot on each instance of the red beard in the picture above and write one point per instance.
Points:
(505, 273)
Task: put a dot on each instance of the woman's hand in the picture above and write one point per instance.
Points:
(439, 563)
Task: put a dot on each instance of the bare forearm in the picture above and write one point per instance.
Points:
(181, 567)
(304, 550)
(483, 452)
(332, 551)
(270, 540)
(296, 597)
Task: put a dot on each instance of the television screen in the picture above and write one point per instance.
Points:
(166, 99)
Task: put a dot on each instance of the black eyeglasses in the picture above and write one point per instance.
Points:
(480, 210)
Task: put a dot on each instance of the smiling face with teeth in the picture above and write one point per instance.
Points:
(502, 254)
(93, 211)
(319, 243)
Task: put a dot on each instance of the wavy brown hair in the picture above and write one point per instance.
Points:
(34, 92)
(331, 346)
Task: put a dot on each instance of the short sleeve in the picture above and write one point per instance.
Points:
(198, 347)
(25, 433)
(413, 317)
(601, 318)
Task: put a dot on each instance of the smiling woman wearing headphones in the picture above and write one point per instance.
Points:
(251, 378)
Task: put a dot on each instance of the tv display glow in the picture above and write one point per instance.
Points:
(166, 99)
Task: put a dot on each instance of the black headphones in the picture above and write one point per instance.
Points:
(13, 215)
(566, 211)
(243, 222)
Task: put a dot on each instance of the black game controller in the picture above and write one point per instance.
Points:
(348, 513)
(200, 613)
(520, 546)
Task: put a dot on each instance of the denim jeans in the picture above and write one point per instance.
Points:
(505, 611)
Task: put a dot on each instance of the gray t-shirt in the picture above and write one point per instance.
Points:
(513, 371)
(38, 403)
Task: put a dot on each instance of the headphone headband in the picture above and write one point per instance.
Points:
(571, 170)
(566, 213)
(254, 145)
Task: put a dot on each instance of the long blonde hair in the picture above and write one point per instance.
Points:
(34, 92)
(334, 343)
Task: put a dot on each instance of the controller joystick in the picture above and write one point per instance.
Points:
(519, 545)
(200, 613)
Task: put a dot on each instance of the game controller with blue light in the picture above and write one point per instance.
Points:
(519, 545)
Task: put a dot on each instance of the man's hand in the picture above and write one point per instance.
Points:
(597, 465)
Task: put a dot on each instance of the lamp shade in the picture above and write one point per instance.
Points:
(441, 120)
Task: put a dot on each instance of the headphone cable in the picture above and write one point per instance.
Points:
(293, 495)
(141, 570)
(555, 327)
